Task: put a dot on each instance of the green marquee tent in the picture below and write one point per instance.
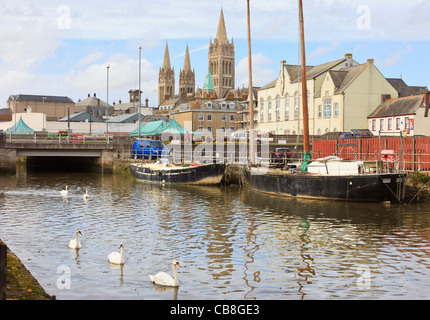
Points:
(20, 128)
(152, 128)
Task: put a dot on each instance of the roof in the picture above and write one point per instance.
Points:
(313, 72)
(92, 102)
(81, 117)
(399, 106)
(404, 90)
(126, 118)
(344, 77)
(37, 98)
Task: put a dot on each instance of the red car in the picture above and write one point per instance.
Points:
(281, 154)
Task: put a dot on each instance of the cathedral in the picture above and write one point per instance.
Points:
(220, 76)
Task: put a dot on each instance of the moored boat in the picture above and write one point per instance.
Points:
(200, 174)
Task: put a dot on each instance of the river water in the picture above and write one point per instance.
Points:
(231, 243)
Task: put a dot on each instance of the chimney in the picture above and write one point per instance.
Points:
(370, 62)
(166, 97)
(147, 103)
(89, 95)
(94, 94)
(427, 101)
(119, 101)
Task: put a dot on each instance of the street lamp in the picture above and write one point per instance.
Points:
(140, 75)
(43, 119)
(107, 101)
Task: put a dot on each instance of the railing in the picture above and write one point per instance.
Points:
(59, 138)
(410, 153)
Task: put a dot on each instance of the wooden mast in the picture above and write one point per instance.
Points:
(250, 94)
(304, 85)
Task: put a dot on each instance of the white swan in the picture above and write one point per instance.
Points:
(65, 192)
(164, 279)
(117, 257)
(74, 243)
(85, 196)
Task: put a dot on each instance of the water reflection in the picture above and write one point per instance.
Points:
(232, 243)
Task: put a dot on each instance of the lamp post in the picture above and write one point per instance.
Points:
(140, 75)
(107, 100)
(250, 94)
(43, 119)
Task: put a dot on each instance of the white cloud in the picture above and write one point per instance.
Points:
(395, 57)
(323, 50)
(262, 71)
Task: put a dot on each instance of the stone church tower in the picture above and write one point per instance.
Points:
(187, 78)
(222, 60)
(166, 79)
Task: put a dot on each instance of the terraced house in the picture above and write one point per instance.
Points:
(341, 95)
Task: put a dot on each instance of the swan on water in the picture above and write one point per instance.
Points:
(85, 196)
(117, 257)
(74, 243)
(65, 192)
(164, 279)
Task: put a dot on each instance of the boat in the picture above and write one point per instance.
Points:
(198, 174)
(328, 179)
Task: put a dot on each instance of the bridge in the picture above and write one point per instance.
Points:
(95, 152)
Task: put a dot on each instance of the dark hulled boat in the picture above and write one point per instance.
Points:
(204, 174)
(346, 185)
(354, 188)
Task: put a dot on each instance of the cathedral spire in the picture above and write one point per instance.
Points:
(187, 62)
(166, 63)
(221, 35)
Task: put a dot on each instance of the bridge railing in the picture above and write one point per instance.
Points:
(58, 138)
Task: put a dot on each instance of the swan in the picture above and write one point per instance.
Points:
(85, 196)
(65, 192)
(74, 243)
(165, 279)
(117, 257)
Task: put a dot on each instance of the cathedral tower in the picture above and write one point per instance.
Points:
(166, 79)
(187, 78)
(222, 60)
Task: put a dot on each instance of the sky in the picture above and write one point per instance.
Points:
(63, 48)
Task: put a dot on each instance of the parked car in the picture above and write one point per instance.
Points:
(149, 148)
(281, 154)
(351, 135)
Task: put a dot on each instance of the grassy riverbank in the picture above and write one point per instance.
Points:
(20, 284)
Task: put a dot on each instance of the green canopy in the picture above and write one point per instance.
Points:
(20, 128)
(152, 128)
(174, 127)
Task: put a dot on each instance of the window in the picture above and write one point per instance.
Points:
(336, 109)
(232, 105)
(296, 105)
(390, 124)
(209, 104)
(209, 129)
(201, 128)
(223, 105)
(398, 123)
(381, 125)
(222, 129)
(373, 125)
(232, 117)
(209, 117)
(327, 108)
(407, 123)
(278, 108)
(319, 112)
(287, 107)
(201, 117)
(231, 129)
(262, 110)
(269, 109)
(223, 117)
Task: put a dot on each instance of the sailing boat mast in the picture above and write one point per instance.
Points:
(250, 93)
(304, 89)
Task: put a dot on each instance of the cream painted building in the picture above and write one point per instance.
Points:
(341, 95)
